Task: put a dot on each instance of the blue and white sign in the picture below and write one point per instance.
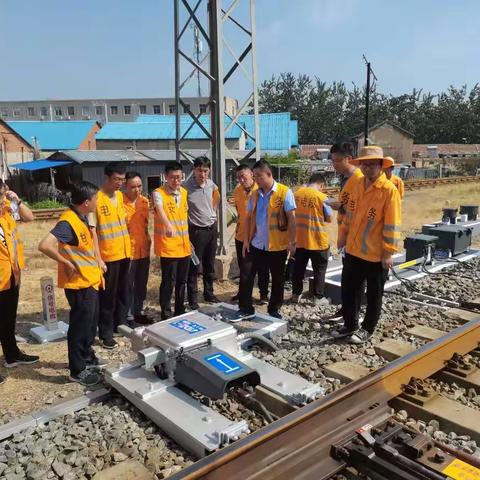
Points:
(223, 363)
(188, 326)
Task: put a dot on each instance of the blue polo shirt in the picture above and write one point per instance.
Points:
(260, 240)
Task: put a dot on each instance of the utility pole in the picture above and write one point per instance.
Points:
(367, 99)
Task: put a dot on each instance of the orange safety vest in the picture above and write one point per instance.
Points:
(373, 219)
(277, 239)
(82, 256)
(112, 232)
(241, 198)
(398, 182)
(11, 255)
(137, 224)
(310, 220)
(345, 193)
(177, 246)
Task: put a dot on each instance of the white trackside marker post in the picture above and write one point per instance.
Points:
(51, 329)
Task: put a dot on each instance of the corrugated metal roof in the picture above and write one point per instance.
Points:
(82, 156)
(161, 129)
(40, 164)
(277, 133)
(60, 135)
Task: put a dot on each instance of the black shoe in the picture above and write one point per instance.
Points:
(241, 315)
(108, 344)
(2, 379)
(22, 359)
(86, 378)
(337, 314)
(181, 312)
(342, 332)
(360, 336)
(166, 316)
(263, 300)
(235, 298)
(194, 306)
(211, 299)
(97, 362)
(276, 314)
(143, 319)
(288, 286)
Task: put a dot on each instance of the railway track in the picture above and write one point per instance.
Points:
(300, 444)
(54, 213)
(343, 370)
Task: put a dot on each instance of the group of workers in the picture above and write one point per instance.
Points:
(102, 246)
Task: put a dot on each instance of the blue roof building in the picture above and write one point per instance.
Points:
(278, 132)
(57, 135)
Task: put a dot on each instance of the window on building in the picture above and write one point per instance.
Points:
(58, 111)
(17, 112)
(98, 110)
(4, 113)
(71, 111)
(154, 181)
(143, 109)
(127, 109)
(43, 111)
(186, 108)
(203, 108)
(85, 110)
(172, 109)
(156, 109)
(114, 110)
(31, 111)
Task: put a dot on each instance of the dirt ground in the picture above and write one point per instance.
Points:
(33, 387)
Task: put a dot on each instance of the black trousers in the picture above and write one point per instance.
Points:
(356, 272)
(319, 260)
(174, 274)
(274, 263)
(262, 270)
(82, 327)
(8, 318)
(138, 279)
(114, 299)
(204, 241)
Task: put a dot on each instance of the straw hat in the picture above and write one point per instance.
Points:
(371, 152)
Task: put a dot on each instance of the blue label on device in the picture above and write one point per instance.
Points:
(223, 363)
(188, 326)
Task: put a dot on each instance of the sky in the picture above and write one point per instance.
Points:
(122, 48)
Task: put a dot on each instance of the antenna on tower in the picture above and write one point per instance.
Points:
(197, 50)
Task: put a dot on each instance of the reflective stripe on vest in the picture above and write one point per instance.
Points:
(112, 232)
(82, 256)
(178, 245)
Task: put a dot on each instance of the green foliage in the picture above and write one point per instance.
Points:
(288, 159)
(330, 113)
(46, 204)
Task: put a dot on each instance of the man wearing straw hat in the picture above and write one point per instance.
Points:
(370, 234)
(397, 181)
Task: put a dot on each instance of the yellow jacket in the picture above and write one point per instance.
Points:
(398, 182)
(177, 246)
(241, 198)
(372, 220)
(310, 220)
(345, 193)
(11, 255)
(112, 232)
(82, 256)
(137, 223)
(277, 239)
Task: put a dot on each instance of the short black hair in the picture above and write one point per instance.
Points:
(114, 167)
(262, 165)
(241, 167)
(343, 148)
(173, 167)
(82, 191)
(202, 161)
(317, 177)
(131, 174)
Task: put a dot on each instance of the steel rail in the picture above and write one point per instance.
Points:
(298, 445)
